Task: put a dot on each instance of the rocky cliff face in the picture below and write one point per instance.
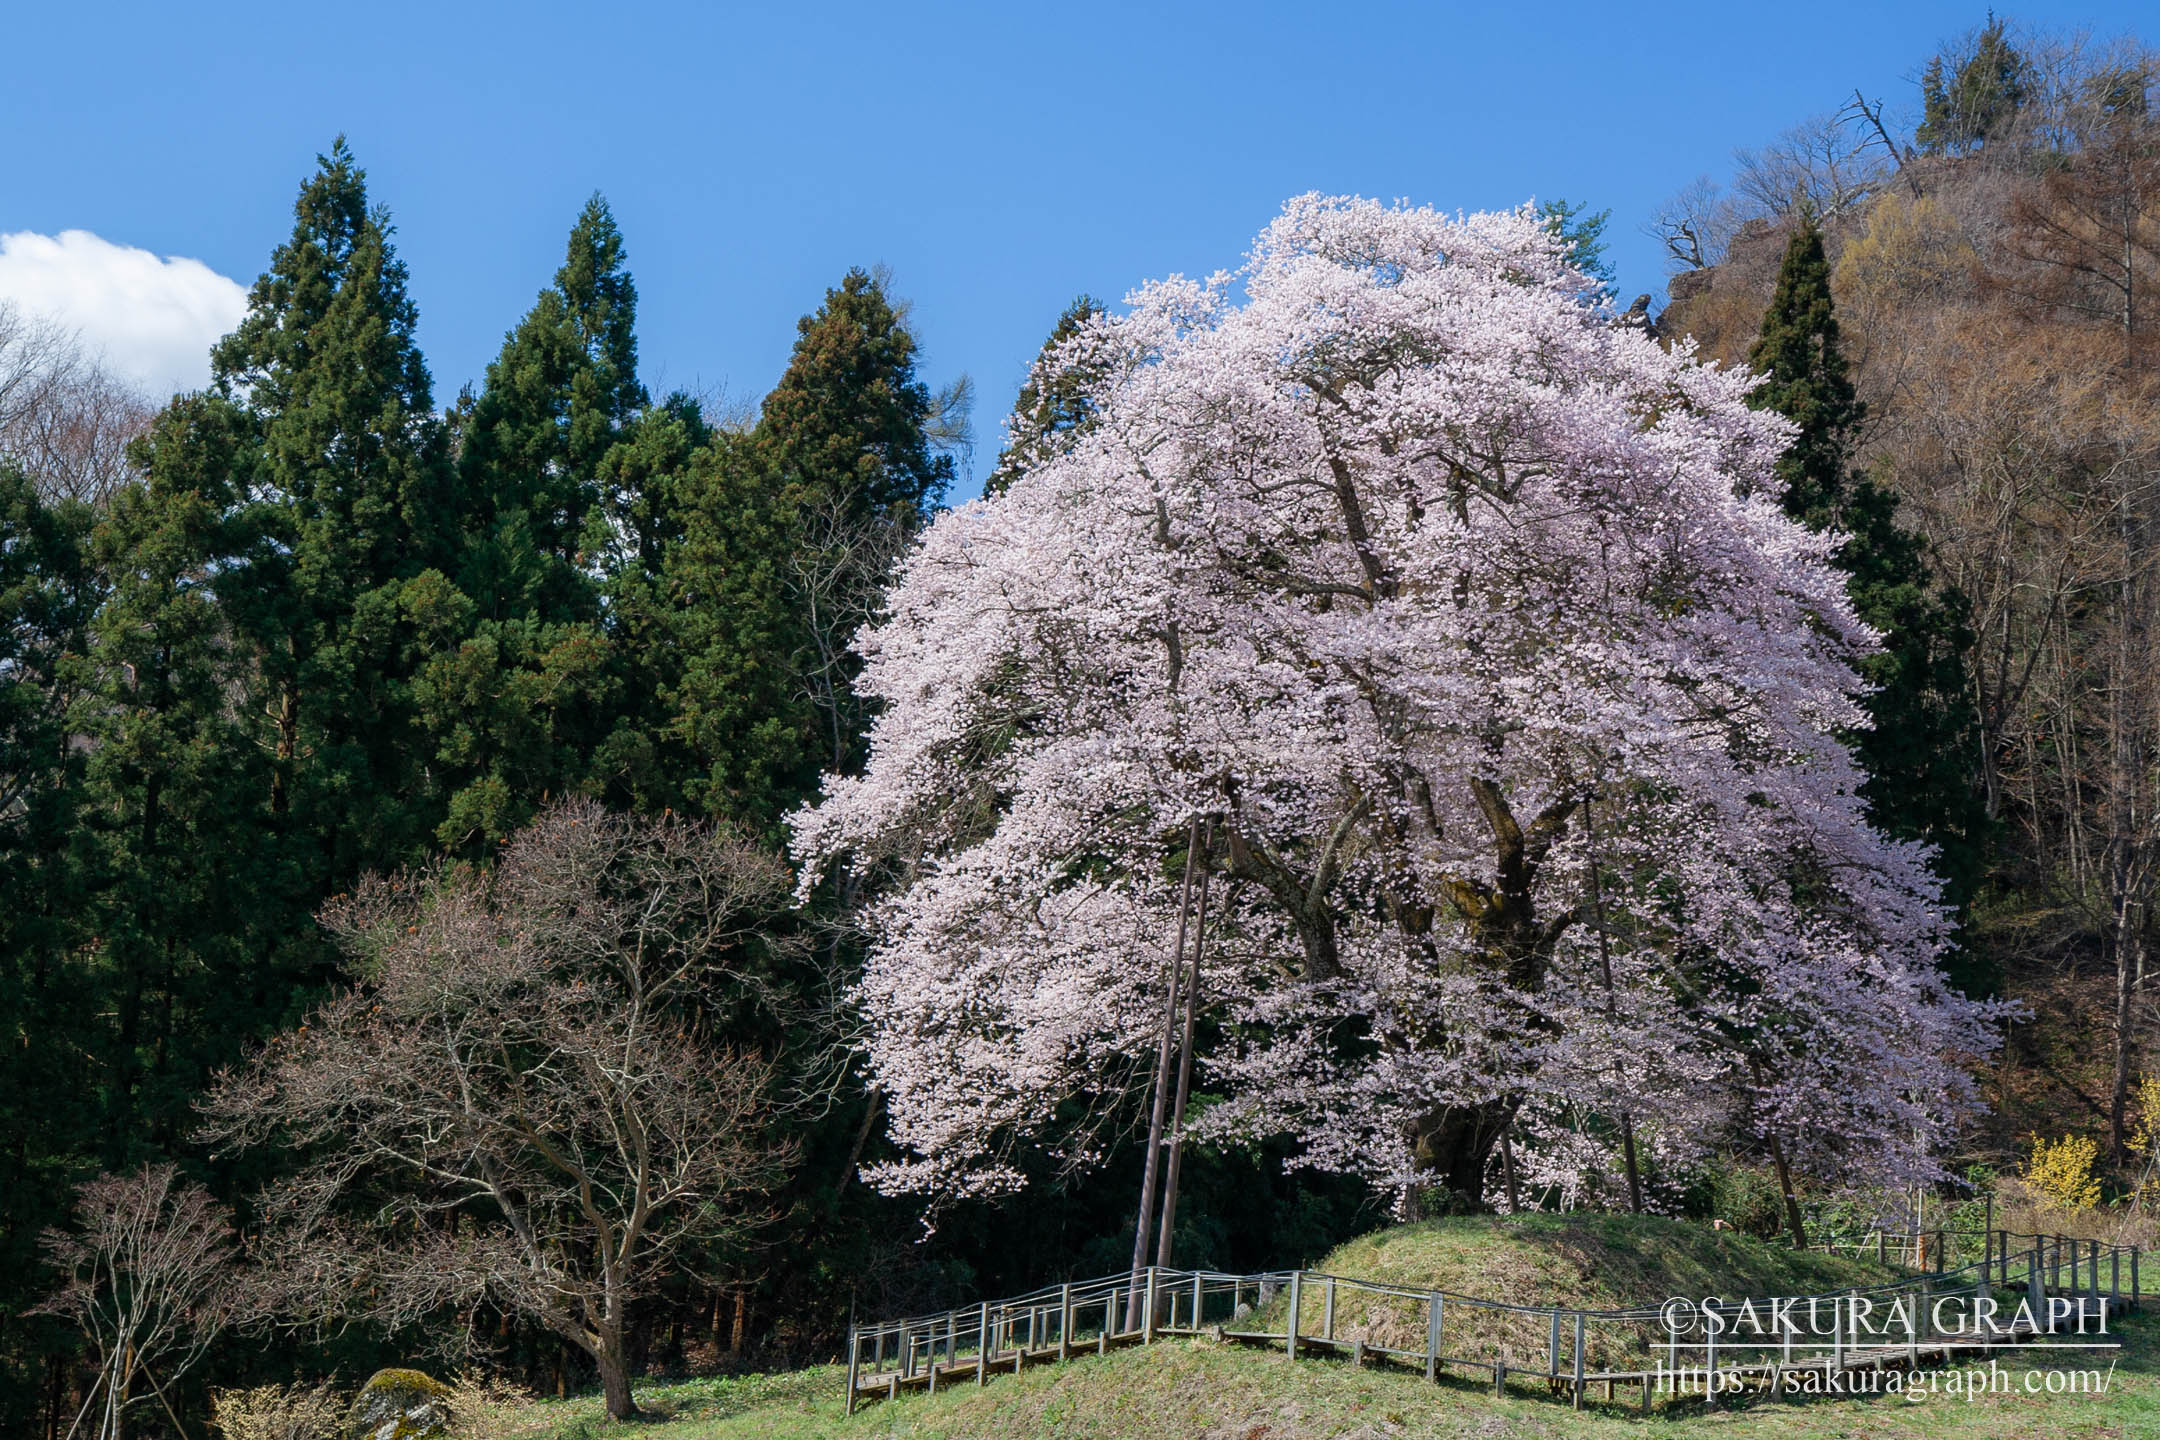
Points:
(1721, 306)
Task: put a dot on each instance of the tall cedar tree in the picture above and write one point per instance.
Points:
(1918, 755)
(849, 420)
(349, 486)
(517, 706)
(740, 696)
(49, 1001)
(1054, 404)
(641, 763)
(200, 917)
(805, 517)
(788, 538)
(555, 403)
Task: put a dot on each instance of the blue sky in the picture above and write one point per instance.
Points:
(999, 158)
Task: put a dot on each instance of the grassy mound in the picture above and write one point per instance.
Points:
(1590, 1261)
(1583, 1261)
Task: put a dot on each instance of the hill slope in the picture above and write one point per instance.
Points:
(1177, 1390)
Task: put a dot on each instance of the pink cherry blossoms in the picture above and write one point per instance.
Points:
(1464, 617)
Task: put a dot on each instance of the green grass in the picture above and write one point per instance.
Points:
(1178, 1390)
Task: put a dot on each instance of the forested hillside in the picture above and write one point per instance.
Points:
(442, 838)
(317, 627)
(1993, 283)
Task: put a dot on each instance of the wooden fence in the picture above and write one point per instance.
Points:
(1965, 1291)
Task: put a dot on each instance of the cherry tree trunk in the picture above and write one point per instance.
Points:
(1452, 1148)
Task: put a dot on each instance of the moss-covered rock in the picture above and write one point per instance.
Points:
(401, 1405)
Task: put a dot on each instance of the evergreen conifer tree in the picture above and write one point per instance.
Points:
(1966, 102)
(49, 1002)
(1584, 231)
(642, 762)
(348, 488)
(743, 639)
(1054, 404)
(201, 911)
(849, 420)
(518, 703)
(556, 401)
(1918, 752)
(845, 442)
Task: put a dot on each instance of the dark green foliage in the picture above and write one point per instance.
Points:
(1056, 402)
(330, 631)
(844, 443)
(1966, 99)
(1918, 755)
(741, 710)
(520, 687)
(637, 764)
(849, 420)
(556, 402)
(48, 1014)
(349, 497)
(1584, 231)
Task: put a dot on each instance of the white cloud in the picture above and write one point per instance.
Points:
(153, 321)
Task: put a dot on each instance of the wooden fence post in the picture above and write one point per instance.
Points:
(1147, 1331)
(2036, 1282)
(1327, 1312)
(982, 1345)
(854, 1363)
(1199, 1301)
(1578, 1359)
(1709, 1335)
(1290, 1346)
(1065, 1321)
(1552, 1349)
(1432, 1339)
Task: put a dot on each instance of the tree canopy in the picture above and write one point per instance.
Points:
(1467, 620)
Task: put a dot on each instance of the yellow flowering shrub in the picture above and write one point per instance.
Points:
(2062, 1170)
(2148, 1111)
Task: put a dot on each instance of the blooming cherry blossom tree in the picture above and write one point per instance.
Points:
(1470, 621)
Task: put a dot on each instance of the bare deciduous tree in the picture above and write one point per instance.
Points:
(837, 577)
(1696, 225)
(1825, 163)
(149, 1282)
(523, 1102)
(64, 418)
(2089, 231)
